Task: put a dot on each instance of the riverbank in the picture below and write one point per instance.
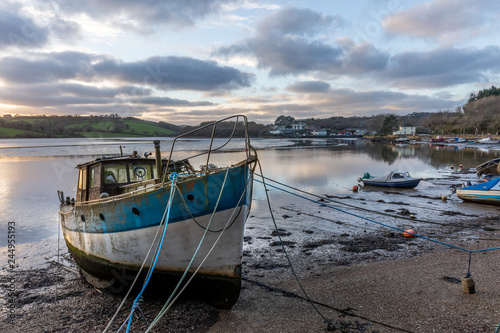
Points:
(421, 293)
(362, 276)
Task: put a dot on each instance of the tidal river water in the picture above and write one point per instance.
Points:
(32, 170)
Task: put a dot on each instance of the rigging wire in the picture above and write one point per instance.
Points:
(330, 324)
(374, 211)
(380, 223)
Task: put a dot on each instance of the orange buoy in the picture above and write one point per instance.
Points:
(355, 188)
(409, 233)
(460, 166)
(452, 167)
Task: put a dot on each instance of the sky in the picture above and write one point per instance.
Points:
(189, 61)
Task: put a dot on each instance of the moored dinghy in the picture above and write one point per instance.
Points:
(125, 205)
(487, 192)
(396, 179)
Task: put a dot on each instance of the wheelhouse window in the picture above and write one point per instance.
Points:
(115, 174)
(139, 172)
(82, 179)
(95, 176)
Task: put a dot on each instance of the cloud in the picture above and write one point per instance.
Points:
(64, 30)
(142, 16)
(20, 31)
(442, 67)
(166, 73)
(309, 87)
(47, 95)
(287, 43)
(47, 67)
(443, 20)
(178, 73)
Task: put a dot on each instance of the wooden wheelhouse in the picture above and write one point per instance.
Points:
(110, 176)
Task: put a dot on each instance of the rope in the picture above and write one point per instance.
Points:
(342, 311)
(380, 213)
(228, 224)
(330, 325)
(468, 268)
(162, 224)
(58, 262)
(171, 300)
(173, 178)
(382, 224)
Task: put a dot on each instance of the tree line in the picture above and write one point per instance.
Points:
(480, 115)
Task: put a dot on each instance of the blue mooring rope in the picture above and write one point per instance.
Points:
(382, 224)
(173, 177)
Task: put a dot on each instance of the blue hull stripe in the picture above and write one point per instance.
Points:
(147, 209)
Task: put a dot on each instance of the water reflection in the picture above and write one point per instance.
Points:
(32, 175)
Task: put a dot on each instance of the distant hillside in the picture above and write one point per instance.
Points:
(76, 126)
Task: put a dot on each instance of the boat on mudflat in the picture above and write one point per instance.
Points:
(438, 139)
(395, 179)
(192, 219)
(487, 192)
(488, 141)
(488, 167)
(456, 140)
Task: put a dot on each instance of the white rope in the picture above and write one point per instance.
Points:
(169, 304)
(162, 224)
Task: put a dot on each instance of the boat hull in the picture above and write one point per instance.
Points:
(488, 192)
(109, 239)
(488, 197)
(400, 184)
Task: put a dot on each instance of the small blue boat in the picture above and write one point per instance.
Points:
(487, 192)
(395, 179)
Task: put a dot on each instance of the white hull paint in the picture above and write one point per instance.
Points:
(129, 248)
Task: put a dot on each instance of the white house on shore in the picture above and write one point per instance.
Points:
(298, 126)
(320, 132)
(406, 130)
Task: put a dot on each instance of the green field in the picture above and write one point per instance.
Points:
(6, 132)
(68, 126)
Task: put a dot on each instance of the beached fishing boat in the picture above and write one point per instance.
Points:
(488, 167)
(395, 179)
(487, 192)
(126, 205)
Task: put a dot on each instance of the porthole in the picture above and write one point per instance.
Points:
(101, 217)
(190, 197)
(83, 218)
(135, 211)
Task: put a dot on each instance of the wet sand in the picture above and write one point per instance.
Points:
(361, 276)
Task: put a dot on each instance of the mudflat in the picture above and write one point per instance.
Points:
(358, 276)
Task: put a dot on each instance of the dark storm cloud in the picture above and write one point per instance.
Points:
(442, 67)
(168, 73)
(142, 16)
(284, 43)
(309, 87)
(20, 31)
